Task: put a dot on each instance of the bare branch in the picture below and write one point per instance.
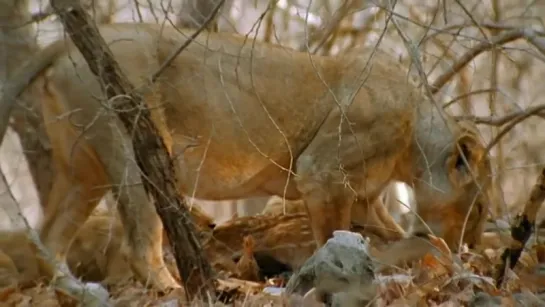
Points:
(500, 39)
(537, 42)
(485, 25)
(500, 121)
(465, 95)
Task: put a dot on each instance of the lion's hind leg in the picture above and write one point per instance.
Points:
(70, 203)
(143, 231)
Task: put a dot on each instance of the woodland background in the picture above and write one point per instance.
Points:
(504, 80)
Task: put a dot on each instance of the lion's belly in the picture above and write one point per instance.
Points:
(218, 169)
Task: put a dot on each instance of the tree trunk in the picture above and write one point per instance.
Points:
(159, 177)
(18, 43)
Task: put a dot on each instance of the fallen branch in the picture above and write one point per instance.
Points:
(282, 242)
(151, 154)
(522, 228)
(287, 239)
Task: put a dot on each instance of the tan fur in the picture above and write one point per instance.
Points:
(17, 262)
(93, 256)
(237, 114)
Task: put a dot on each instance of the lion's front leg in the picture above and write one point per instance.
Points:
(375, 218)
(325, 189)
(328, 205)
(143, 241)
(327, 213)
(142, 245)
(333, 176)
(70, 203)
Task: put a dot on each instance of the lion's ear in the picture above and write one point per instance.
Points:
(462, 164)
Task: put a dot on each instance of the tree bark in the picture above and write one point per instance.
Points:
(17, 44)
(151, 154)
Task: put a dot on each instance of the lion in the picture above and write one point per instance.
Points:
(246, 119)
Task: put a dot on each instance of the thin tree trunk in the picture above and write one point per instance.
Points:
(151, 154)
(17, 44)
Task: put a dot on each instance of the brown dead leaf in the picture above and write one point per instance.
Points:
(440, 244)
(6, 292)
(431, 262)
(437, 262)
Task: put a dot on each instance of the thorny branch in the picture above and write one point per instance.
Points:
(152, 158)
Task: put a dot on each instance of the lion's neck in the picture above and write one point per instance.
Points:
(430, 138)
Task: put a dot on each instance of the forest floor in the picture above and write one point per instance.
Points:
(464, 279)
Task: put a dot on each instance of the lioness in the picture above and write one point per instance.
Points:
(247, 119)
